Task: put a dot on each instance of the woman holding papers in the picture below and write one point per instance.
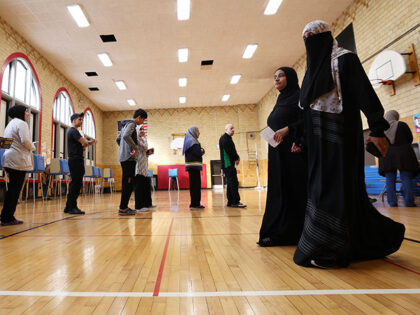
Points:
(341, 225)
(286, 191)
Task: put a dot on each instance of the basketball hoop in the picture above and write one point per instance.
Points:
(379, 82)
(387, 67)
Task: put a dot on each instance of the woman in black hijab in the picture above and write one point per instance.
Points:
(286, 190)
(341, 225)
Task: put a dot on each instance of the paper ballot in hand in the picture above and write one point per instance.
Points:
(268, 135)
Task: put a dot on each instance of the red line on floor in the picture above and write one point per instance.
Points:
(402, 267)
(162, 263)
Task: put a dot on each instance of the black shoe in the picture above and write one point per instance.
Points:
(197, 207)
(13, 222)
(66, 210)
(237, 205)
(128, 211)
(75, 211)
(266, 242)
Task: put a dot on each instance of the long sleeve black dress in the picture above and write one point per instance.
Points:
(286, 189)
(341, 225)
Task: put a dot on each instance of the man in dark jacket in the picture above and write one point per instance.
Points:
(230, 159)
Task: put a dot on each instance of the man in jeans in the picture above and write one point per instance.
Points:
(230, 159)
(76, 144)
(127, 140)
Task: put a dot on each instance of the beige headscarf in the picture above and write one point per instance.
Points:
(392, 118)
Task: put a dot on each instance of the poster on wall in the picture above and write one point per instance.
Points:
(417, 122)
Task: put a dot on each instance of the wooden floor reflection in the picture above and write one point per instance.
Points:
(177, 261)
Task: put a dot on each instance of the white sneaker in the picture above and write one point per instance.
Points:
(313, 263)
(143, 209)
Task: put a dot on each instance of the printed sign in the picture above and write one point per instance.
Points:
(417, 122)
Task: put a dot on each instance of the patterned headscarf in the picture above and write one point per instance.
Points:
(321, 47)
(315, 27)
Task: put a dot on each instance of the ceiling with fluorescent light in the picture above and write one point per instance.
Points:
(149, 35)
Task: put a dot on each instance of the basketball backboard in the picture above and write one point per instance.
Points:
(388, 65)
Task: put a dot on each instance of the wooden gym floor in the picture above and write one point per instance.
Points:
(177, 261)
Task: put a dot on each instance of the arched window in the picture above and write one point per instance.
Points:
(88, 128)
(20, 85)
(62, 111)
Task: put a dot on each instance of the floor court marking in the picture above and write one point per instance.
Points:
(33, 228)
(212, 294)
(162, 263)
(138, 235)
(411, 240)
(401, 266)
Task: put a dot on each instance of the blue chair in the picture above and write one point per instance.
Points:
(65, 170)
(1, 165)
(107, 178)
(39, 167)
(173, 174)
(98, 177)
(90, 173)
(59, 168)
(150, 172)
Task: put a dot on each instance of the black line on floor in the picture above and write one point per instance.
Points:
(411, 240)
(35, 227)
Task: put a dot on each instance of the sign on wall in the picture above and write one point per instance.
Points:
(417, 122)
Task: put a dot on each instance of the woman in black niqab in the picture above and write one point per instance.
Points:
(286, 190)
(341, 225)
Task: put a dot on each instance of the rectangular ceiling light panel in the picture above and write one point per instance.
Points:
(121, 85)
(131, 102)
(225, 97)
(78, 15)
(249, 51)
(183, 9)
(235, 79)
(182, 82)
(272, 7)
(183, 54)
(104, 58)
(182, 99)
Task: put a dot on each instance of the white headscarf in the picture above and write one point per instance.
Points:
(392, 118)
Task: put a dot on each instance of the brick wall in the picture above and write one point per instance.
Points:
(50, 80)
(376, 23)
(211, 122)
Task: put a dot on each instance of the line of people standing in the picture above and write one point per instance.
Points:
(133, 157)
(337, 224)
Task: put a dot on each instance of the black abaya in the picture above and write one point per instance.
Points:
(286, 190)
(341, 225)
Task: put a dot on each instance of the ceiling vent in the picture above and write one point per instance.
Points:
(108, 38)
(206, 64)
(93, 89)
(91, 74)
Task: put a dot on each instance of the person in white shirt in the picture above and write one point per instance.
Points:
(16, 160)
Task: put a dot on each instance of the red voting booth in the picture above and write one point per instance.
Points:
(163, 179)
